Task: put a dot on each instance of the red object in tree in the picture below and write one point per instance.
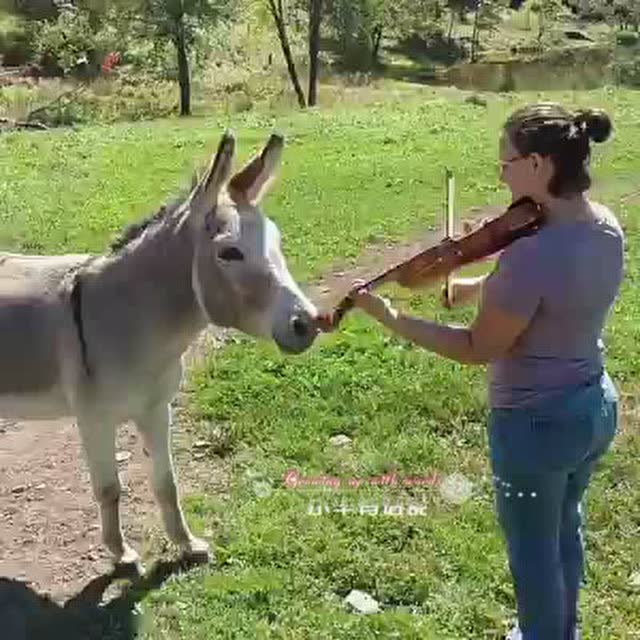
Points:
(111, 61)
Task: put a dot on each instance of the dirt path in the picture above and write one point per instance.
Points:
(49, 523)
(49, 527)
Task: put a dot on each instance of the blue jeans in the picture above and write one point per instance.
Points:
(542, 460)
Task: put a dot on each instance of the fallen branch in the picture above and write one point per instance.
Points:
(46, 107)
(18, 124)
(5, 73)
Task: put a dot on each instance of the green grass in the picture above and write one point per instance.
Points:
(338, 169)
(352, 175)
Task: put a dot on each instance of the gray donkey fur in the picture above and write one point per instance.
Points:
(100, 338)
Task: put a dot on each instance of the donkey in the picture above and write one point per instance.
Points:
(101, 338)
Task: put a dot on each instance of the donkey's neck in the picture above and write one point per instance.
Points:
(155, 270)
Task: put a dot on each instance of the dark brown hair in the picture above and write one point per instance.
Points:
(550, 130)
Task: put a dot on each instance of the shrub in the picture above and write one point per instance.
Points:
(629, 73)
(627, 38)
(16, 47)
(70, 44)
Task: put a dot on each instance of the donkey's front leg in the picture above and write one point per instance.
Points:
(99, 445)
(155, 426)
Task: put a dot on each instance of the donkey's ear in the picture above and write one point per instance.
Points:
(251, 183)
(204, 195)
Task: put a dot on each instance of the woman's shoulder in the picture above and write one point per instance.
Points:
(520, 251)
(549, 240)
(606, 218)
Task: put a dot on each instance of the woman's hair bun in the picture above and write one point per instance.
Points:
(596, 123)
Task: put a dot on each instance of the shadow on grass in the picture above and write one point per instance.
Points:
(27, 615)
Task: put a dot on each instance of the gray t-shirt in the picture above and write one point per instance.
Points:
(564, 280)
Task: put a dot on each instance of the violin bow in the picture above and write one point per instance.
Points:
(523, 217)
(347, 303)
(449, 213)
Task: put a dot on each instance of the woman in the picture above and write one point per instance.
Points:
(553, 408)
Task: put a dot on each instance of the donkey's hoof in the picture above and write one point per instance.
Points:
(129, 564)
(197, 551)
(130, 570)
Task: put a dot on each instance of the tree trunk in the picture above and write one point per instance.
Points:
(476, 34)
(452, 19)
(462, 14)
(376, 41)
(315, 19)
(184, 74)
(278, 18)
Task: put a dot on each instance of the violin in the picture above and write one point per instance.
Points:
(522, 218)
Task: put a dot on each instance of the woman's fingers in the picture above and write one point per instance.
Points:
(445, 299)
(324, 322)
(358, 284)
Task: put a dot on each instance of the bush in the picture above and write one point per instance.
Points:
(152, 58)
(70, 44)
(124, 99)
(629, 73)
(16, 47)
(627, 38)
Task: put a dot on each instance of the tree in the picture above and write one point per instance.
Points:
(278, 12)
(65, 41)
(627, 12)
(314, 11)
(487, 14)
(315, 20)
(68, 44)
(361, 25)
(459, 9)
(546, 11)
(38, 9)
(379, 17)
(178, 20)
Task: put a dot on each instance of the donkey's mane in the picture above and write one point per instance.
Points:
(134, 230)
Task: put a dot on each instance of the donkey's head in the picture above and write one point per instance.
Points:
(240, 276)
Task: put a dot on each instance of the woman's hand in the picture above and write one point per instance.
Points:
(370, 303)
(374, 305)
(446, 300)
(324, 322)
(452, 294)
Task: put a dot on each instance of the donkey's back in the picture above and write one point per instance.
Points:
(34, 327)
(103, 340)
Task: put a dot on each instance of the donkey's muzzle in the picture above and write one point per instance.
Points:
(297, 334)
(300, 327)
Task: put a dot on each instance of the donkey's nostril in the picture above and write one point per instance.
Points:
(299, 327)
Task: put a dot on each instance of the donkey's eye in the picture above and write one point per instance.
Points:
(230, 254)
